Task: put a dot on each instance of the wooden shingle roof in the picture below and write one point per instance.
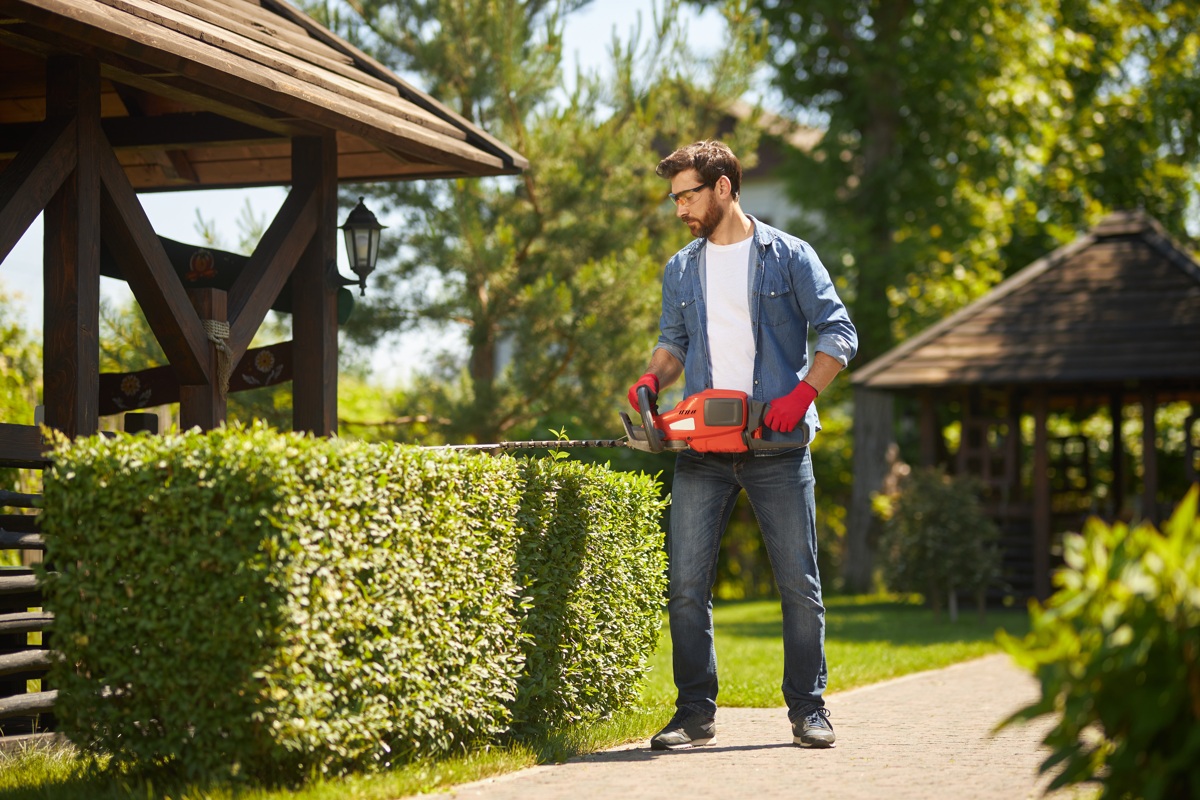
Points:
(207, 93)
(1118, 305)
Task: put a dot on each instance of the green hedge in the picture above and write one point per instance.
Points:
(275, 605)
(593, 569)
(1117, 653)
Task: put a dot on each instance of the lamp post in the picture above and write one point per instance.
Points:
(361, 230)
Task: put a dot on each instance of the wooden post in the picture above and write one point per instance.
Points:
(1116, 410)
(314, 293)
(1012, 455)
(204, 405)
(930, 431)
(1149, 458)
(872, 436)
(1191, 446)
(1041, 497)
(71, 314)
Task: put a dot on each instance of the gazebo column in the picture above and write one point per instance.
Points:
(314, 293)
(930, 431)
(1041, 496)
(1149, 458)
(1191, 446)
(204, 405)
(873, 414)
(71, 313)
(1116, 410)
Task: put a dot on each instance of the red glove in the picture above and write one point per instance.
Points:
(784, 413)
(650, 381)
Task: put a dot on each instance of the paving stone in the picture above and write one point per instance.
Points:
(928, 735)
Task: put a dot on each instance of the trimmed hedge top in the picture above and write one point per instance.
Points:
(273, 604)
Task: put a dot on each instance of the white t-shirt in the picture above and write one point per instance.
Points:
(730, 335)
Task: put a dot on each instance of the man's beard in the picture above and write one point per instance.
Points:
(707, 223)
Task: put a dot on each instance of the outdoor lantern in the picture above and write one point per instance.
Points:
(361, 230)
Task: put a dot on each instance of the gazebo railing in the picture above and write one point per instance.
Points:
(26, 702)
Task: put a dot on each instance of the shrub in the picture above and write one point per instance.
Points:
(937, 540)
(1116, 650)
(275, 605)
(591, 564)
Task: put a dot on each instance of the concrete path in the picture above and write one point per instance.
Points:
(920, 737)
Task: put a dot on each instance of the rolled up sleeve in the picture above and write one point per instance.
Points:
(826, 313)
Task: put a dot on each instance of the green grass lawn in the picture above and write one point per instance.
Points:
(868, 639)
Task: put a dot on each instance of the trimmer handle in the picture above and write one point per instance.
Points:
(647, 408)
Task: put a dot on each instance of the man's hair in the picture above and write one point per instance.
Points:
(710, 158)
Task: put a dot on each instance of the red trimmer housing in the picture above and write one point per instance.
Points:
(712, 421)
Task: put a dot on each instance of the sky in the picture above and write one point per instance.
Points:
(587, 37)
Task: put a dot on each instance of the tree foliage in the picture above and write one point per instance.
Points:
(550, 279)
(20, 385)
(20, 368)
(966, 138)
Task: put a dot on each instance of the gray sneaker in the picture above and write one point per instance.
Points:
(688, 728)
(814, 730)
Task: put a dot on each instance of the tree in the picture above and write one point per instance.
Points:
(1121, 128)
(20, 385)
(20, 368)
(966, 138)
(552, 277)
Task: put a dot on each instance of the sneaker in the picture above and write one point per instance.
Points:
(688, 728)
(814, 729)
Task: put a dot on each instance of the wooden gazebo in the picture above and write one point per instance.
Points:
(1109, 321)
(103, 99)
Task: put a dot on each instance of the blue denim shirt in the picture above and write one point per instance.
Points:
(790, 290)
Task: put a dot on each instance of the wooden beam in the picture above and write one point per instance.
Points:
(163, 132)
(33, 176)
(1149, 458)
(314, 292)
(271, 264)
(23, 704)
(71, 256)
(22, 446)
(204, 405)
(132, 240)
(121, 392)
(1041, 497)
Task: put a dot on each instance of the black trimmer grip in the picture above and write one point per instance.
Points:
(646, 407)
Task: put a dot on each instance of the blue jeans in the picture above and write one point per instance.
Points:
(780, 490)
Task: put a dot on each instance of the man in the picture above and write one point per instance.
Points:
(737, 306)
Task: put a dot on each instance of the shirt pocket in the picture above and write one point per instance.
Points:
(777, 302)
(690, 310)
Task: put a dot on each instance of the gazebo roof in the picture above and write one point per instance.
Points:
(206, 93)
(1121, 304)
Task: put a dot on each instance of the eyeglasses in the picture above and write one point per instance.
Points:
(688, 195)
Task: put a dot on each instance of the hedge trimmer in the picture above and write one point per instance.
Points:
(711, 421)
